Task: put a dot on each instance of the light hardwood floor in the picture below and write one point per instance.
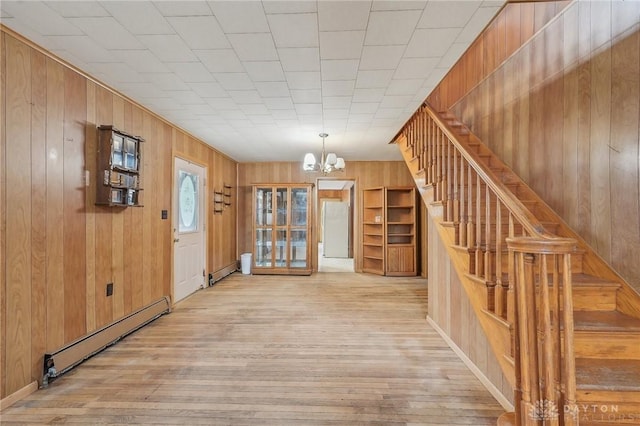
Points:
(327, 349)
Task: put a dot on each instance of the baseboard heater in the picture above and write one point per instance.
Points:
(62, 360)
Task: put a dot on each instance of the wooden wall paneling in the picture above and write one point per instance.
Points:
(553, 149)
(55, 205)
(103, 225)
(501, 42)
(137, 216)
(512, 28)
(600, 24)
(150, 184)
(18, 220)
(543, 13)
(38, 209)
(498, 109)
(600, 131)
(156, 205)
(3, 214)
(570, 183)
(90, 153)
(624, 15)
(584, 24)
(75, 111)
(527, 21)
(570, 25)
(164, 227)
(128, 260)
(624, 153)
(118, 230)
(584, 151)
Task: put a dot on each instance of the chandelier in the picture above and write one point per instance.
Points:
(328, 163)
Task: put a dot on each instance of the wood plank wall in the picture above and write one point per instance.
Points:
(58, 249)
(451, 310)
(367, 174)
(564, 113)
(513, 26)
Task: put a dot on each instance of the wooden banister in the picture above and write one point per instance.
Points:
(531, 291)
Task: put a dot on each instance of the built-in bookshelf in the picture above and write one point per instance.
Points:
(373, 230)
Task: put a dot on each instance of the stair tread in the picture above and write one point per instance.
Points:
(586, 280)
(608, 374)
(605, 321)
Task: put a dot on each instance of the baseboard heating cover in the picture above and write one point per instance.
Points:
(62, 360)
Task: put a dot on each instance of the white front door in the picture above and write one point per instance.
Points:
(188, 229)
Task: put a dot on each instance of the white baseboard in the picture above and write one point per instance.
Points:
(493, 390)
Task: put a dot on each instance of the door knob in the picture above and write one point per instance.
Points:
(175, 240)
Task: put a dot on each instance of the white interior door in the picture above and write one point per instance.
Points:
(189, 232)
(335, 242)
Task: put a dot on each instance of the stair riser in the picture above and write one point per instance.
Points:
(607, 345)
(608, 407)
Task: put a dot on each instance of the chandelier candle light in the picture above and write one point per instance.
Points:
(328, 163)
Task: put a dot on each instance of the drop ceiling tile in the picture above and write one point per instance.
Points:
(76, 9)
(186, 97)
(373, 79)
(220, 60)
(272, 89)
(40, 18)
(381, 57)
(343, 15)
(453, 54)
(240, 16)
(208, 89)
(83, 47)
(289, 6)
(391, 27)
(331, 102)
(200, 32)
(294, 30)
(368, 95)
(158, 103)
(428, 43)
(21, 28)
(277, 104)
(232, 114)
(287, 123)
(262, 119)
(139, 90)
(284, 114)
(300, 58)
(140, 60)
(253, 47)
(221, 104)
(339, 69)
(245, 96)
(398, 5)
(303, 80)
(166, 81)
(306, 96)
(191, 72)
(361, 118)
(341, 44)
(451, 14)
(202, 111)
(121, 72)
(478, 21)
(234, 80)
(139, 17)
(264, 70)
(183, 8)
(338, 88)
(403, 87)
(107, 32)
(415, 67)
(435, 77)
(396, 101)
(168, 48)
(250, 109)
(364, 107)
(241, 124)
(308, 109)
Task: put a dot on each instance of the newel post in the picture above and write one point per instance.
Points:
(543, 303)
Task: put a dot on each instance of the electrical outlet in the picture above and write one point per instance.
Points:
(210, 279)
(109, 289)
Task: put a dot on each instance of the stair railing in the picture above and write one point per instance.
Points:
(511, 254)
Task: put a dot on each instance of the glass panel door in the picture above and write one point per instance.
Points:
(299, 207)
(298, 249)
(263, 206)
(281, 201)
(263, 249)
(281, 248)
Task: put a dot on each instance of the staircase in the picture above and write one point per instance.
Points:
(563, 325)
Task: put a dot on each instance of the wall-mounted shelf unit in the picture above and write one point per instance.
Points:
(226, 195)
(119, 166)
(389, 231)
(218, 202)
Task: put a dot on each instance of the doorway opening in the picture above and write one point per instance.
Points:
(335, 220)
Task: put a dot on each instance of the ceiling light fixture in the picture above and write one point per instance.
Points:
(328, 163)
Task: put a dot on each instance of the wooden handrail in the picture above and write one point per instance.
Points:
(535, 295)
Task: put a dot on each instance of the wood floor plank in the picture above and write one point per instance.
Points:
(326, 349)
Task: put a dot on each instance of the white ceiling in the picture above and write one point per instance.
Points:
(259, 80)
